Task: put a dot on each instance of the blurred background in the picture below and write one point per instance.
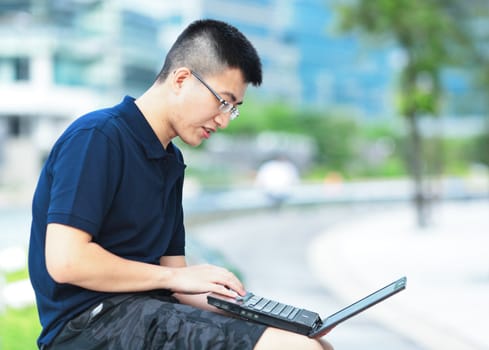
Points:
(373, 119)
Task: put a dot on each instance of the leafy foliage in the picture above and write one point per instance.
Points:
(335, 135)
(430, 33)
(19, 329)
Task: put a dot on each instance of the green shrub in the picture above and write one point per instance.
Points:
(19, 328)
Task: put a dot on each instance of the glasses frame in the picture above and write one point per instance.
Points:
(225, 106)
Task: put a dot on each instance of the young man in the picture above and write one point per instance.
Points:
(106, 254)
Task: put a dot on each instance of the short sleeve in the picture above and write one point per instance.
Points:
(85, 172)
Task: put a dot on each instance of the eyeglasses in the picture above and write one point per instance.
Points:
(225, 106)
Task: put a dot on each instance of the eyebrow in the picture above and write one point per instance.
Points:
(232, 97)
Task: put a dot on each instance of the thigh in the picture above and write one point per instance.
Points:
(149, 322)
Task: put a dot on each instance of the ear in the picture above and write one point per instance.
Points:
(179, 77)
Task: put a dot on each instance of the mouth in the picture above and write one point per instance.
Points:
(207, 132)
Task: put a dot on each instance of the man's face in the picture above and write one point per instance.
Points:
(199, 115)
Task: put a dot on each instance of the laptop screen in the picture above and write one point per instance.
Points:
(368, 301)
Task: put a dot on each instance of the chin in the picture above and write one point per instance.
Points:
(193, 143)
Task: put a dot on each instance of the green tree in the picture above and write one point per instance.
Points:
(431, 36)
(480, 20)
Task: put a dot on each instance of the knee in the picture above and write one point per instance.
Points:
(274, 338)
(320, 344)
(326, 345)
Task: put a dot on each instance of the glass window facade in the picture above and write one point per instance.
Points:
(14, 69)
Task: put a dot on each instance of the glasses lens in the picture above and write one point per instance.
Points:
(225, 107)
(234, 113)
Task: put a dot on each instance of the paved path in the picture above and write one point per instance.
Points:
(446, 303)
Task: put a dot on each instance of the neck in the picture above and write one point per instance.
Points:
(153, 106)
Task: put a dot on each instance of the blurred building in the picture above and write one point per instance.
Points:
(304, 60)
(61, 58)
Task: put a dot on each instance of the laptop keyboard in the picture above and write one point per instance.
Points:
(270, 307)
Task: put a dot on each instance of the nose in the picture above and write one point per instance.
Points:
(222, 120)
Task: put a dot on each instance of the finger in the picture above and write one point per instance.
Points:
(228, 279)
(232, 282)
(223, 290)
(237, 288)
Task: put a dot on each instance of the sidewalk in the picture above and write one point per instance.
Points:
(446, 302)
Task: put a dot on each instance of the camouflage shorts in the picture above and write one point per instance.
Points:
(150, 321)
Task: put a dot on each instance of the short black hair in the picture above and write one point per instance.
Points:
(209, 46)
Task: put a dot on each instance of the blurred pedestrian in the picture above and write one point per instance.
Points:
(276, 177)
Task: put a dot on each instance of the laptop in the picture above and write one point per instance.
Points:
(273, 313)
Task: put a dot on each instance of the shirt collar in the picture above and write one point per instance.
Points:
(142, 131)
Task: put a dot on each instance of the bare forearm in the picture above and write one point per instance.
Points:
(97, 269)
(71, 257)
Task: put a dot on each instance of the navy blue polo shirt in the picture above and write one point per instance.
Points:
(108, 175)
